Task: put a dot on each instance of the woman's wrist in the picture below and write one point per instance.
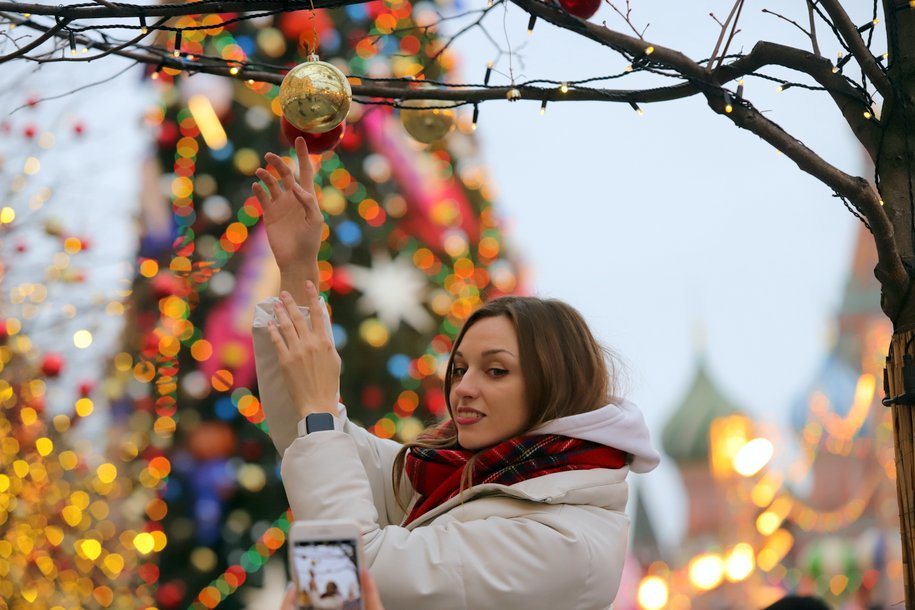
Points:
(292, 280)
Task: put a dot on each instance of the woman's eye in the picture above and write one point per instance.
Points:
(458, 371)
(497, 372)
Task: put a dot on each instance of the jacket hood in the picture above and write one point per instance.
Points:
(620, 426)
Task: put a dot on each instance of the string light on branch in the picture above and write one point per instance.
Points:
(728, 106)
(843, 59)
(868, 25)
(783, 87)
(144, 29)
(155, 74)
(868, 114)
(72, 39)
(564, 87)
(542, 107)
(637, 109)
(640, 59)
(177, 48)
(740, 89)
(488, 73)
(476, 116)
(530, 24)
(234, 70)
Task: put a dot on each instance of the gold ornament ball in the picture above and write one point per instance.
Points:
(315, 96)
(427, 124)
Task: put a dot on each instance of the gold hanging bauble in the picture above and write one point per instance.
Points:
(427, 124)
(315, 96)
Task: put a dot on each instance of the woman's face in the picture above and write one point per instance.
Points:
(488, 402)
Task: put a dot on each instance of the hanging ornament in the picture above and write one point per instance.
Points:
(427, 124)
(315, 96)
(583, 9)
(52, 364)
(317, 142)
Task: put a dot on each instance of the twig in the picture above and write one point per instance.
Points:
(723, 29)
(813, 29)
(55, 97)
(734, 32)
(626, 17)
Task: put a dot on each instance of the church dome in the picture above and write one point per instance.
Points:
(686, 435)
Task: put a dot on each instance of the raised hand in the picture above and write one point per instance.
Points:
(307, 357)
(291, 214)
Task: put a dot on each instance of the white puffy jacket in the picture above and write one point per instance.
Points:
(555, 542)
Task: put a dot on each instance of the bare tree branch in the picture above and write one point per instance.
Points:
(170, 10)
(35, 43)
(858, 48)
(890, 270)
(851, 102)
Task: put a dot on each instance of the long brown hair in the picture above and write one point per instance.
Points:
(566, 371)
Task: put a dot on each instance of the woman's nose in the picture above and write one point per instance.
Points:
(466, 386)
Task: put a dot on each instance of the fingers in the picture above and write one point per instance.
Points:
(289, 598)
(306, 171)
(279, 344)
(370, 591)
(314, 307)
(291, 310)
(261, 195)
(269, 181)
(281, 168)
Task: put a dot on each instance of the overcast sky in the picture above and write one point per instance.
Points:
(656, 225)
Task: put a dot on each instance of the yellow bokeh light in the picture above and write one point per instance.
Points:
(123, 362)
(68, 460)
(82, 339)
(653, 593)
(753, 456)
(28, 415)
(32, 166)
(149, 268)
(90, 548)
(739, 563)
(706, 571)
(84, 407)
(44, 446)
(144, 543)
(7, 215)
(72, 515)
(373, 332)
(107, 472)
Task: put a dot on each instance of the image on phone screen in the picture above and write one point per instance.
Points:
(327, 574)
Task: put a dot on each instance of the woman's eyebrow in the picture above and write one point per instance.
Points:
(488, 352)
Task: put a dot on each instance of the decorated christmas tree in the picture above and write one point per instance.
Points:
(74, 488)
(411, 246)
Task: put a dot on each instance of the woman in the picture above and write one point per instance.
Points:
(516, 501)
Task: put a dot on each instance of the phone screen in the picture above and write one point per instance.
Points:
(327, 574)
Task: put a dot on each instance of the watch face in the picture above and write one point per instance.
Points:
(317, 422)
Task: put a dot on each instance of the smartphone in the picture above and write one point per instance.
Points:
(325, 558)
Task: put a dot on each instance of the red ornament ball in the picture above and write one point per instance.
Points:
(583, 9)
(52, 365)
(317, 142)
(85, 388)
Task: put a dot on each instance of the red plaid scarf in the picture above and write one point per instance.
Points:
(436, 473)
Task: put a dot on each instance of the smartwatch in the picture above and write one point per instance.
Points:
(316, 422)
